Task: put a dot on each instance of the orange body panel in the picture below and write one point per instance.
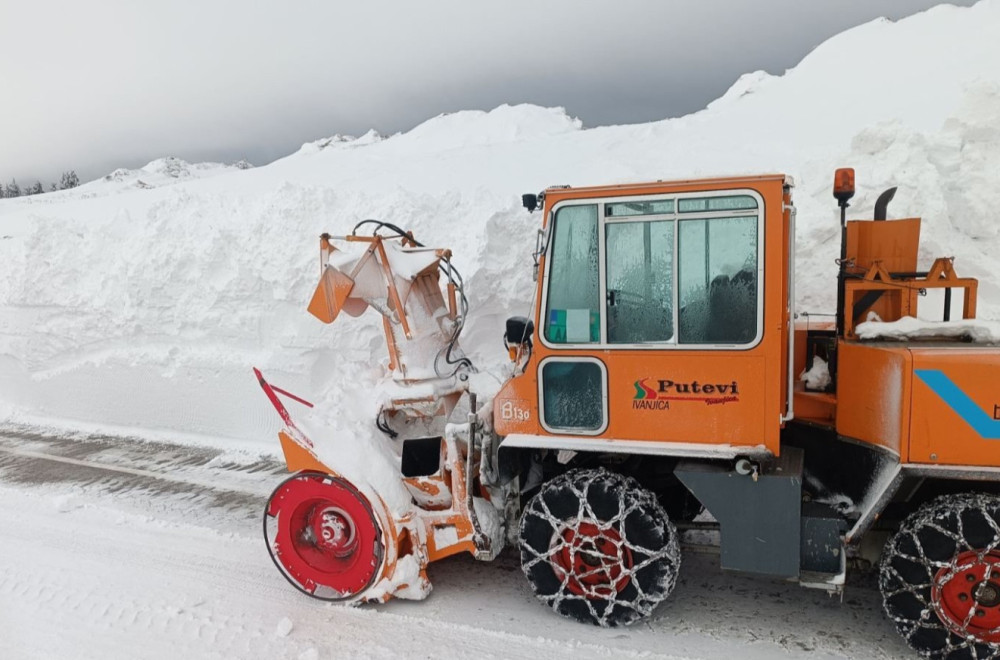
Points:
(729, 414)
(937, 403)
(746, 396)
(815, 407)
(955, 416)
(893, 243)
(873, 394)
(331, 293)
(299, 458)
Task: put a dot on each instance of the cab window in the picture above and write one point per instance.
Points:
(717, 272)
(639, 282)
(676, 271)
(572, 315)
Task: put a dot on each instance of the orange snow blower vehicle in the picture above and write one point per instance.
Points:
(663, 383)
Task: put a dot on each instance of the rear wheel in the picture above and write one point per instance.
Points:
(940, 578)
(598, 548)
(323, 536)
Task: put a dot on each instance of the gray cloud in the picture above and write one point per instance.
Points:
(115, 83)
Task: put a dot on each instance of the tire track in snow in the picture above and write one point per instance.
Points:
(235, 483)
(85, 587)
(165, 559)
(215, 597)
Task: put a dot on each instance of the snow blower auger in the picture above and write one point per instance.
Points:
(360, 518)
(661, 374)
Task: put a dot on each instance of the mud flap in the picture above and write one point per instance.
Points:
(824, 556)
(759, 513)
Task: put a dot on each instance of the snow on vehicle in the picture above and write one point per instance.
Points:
(659, 375)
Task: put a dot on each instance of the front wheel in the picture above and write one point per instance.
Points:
(598, 548)
(940, 578)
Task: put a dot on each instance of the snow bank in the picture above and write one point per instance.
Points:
(165, 171)
(142, 308)
(476, 128)
(339, 141)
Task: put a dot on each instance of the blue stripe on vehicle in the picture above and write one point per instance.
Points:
(961, 403)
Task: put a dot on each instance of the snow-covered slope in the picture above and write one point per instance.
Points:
(143, 308)
(162, 171)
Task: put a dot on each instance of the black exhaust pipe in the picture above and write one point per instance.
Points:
(883, 201)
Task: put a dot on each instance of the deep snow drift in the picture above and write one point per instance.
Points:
(142, 308)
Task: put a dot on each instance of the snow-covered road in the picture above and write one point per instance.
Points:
(115, 549)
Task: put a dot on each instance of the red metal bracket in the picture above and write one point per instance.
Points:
(272, 393)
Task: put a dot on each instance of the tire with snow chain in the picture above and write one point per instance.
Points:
(940, 578)
(599, 548)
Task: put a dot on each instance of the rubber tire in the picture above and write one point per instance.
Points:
(930, 637)
(645, 529)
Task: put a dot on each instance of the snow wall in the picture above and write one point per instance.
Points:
(139, 302)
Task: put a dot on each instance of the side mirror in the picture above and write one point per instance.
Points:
(519, 331)
(529, 201)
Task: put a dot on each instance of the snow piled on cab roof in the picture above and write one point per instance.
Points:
(143, 307)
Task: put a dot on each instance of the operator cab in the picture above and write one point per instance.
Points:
(653, 316)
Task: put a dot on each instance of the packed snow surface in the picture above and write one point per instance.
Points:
(141, 308)
(122, 548)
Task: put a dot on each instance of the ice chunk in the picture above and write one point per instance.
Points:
(284, 627)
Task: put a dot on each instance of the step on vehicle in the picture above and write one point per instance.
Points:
(662, 382)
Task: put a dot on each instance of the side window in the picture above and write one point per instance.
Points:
(573, 395)
(678, 270)
(717, 273)
(639, 267)
(573, 312)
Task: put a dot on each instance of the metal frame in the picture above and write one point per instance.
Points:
(877, 280)
(676, 217)
(892, 479)
(790, 396)
(641, 447)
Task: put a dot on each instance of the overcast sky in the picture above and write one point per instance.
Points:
(101, 84)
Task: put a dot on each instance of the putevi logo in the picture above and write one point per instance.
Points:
(656, 394)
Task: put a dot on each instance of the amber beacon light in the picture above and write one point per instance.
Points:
(843, 184)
